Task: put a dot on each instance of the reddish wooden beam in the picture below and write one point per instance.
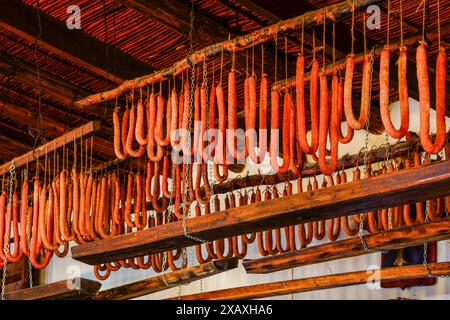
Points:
(405, 186)
(321, 282)
(407, 236)
(168, 280)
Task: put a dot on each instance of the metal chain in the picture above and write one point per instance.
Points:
(12, 173)
(28, 234)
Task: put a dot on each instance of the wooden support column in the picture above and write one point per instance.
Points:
(167, 280)
(407, 236)
(84, 131)
(321, 282)
(384, 191)
(72, 289)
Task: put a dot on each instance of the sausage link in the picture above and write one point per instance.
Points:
(120, 152)
(140, 119)
(129, 142)
(152, 155)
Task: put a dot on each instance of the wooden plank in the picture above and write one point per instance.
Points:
(74, 45)
(321, 282)
(166, 281)
(84, 131)
(73, 289)
(405, 186)
(339, 10)
(386, 240)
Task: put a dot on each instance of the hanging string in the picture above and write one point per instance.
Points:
(388, 21)
(439, 23)
(314, 44)
(276, 55)
(262, 59)
(303, 34)
(221, 67)
(253, 60)
(334, 44)
(424, 4)
(323, 42)
(364, 30)
(353, 26)
(401, 22)
(286, 59)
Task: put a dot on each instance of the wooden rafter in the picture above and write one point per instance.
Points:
(84, 131)
(168, 280)
(322, 282)
(74, 45)
(407, 236)
(405, 186)
(76, 288)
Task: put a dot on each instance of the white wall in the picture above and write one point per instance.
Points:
(59, 269)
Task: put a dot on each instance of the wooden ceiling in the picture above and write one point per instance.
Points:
(124, 39)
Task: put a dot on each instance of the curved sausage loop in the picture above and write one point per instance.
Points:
(402, 91)
(313, 105)
(359, 123)
(351, 231)
(152, 155)
(220, 147)
(131, 133)
(424, 97)
(275, 132)
(142, 116)
(257, 157)
(119, 133)
(323, 129)
(231, 134)
(338, 98)
(161, 139)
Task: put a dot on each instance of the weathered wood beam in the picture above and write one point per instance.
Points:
(339, 11)
(84, 131)
(166, 281)
(74, 45)
(51, 126)
(405, 186)
(72, 289)
(322, 282)
(50, 84)
(407, 236)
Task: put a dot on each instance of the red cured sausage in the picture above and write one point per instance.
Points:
(318, 226)
(140, 119)
(333, 225)
(231, 135)
(131, 134)
(160, 139)
(24, 219)
(120, 152)
(402, 91)
(424, 97)
(152, 155)
(274, 132)
(338, 98)
(314, 106)
(359, 123)
(220, 147)
(323, 128)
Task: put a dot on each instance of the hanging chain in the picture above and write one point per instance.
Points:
(28, 234)
(12, 174)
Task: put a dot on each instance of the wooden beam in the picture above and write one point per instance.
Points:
(84, 131)
(51, 126)
(73, 289)
(322, 282)
(168, 280)
(407, 236)
(405, 186)
(74, 45)
(50, 84)
(339, 11)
